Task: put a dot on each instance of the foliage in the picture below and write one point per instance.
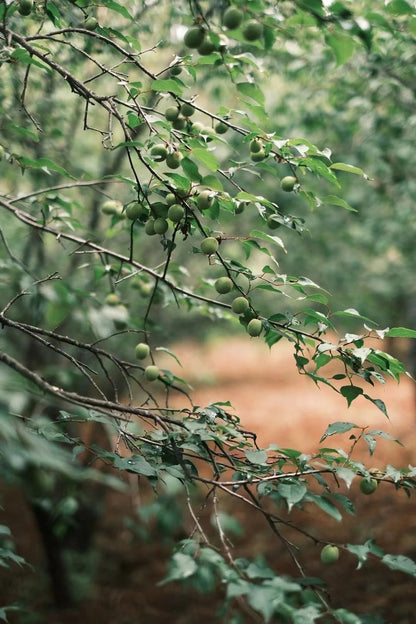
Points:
(106, 125)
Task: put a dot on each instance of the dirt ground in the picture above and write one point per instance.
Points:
(284, 408)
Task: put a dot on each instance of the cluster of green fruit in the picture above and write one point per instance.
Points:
(154, 218)
(197, 37)
(151, 372)
(257, 151)
(233, 18)
(179, 117)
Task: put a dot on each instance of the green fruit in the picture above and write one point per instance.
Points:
(220, 127)
(112, 299)
(240, 305)
(187, 110)
(205, 199)
(135, 211)
(232, 18)
(176, 213)
(258, 156)
(173, 160)
(170, 199)
(90, 23)
(329, 554)
(151, 372)
(159, 152)
(223, 285)
(255, 146)
(25, 7)
(142, 350)
(206, 47)
(171, 113)
(149, 228)
(288, 183)
(272, 222)
(179, 123)
(194, 37)
(160, 225)
(254, 327)
(209, 245)
(1, 152)
(112, 207)
(252, 31)
(175, 70)
(368, 485)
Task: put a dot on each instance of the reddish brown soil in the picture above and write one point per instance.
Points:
(283, 408)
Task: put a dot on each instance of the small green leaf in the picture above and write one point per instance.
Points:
(337, 427)
(276, 240)
(333, 200)
(401, 563)
(45, 164)
(181, 567)
(363, 550)
(191, 170)
(348, 169)
(326, 505)
(342, 46)
(207, 158)
(351, 393)
(252, 91)
(346, 474)
(293, 493)
(401, 332)
(118, 8)
(257, 457)
(135, 463)
(168, 85)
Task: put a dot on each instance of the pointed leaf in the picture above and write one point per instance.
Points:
(337, 427)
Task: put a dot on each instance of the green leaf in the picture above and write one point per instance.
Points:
(118, 8)
(181, 567)
(346, 474)
(399, 7)
(401, 563)
(257, 457)
(53, 14)
(315, 165)
(333, 200)
(325, 504)
(342, 46)
(22, 56)
(45, 164)
(276, 240)
(401, 332)
(252, 91)
(378, 403)
(168, 85)
(337, 427)
(212, 182)
(348, 169)
(363, 550)
(135, 463)
(351, 393)
(207, 158)
(293, 493)
(346, 617)
(191, 170)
